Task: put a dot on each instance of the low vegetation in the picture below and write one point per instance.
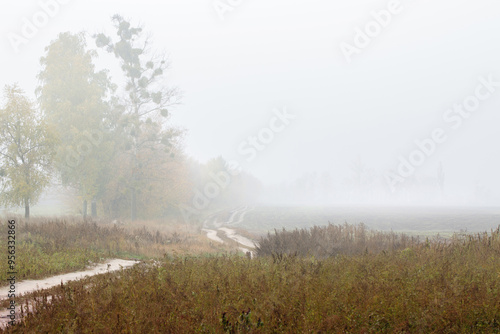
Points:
(49, 246)
(332, 240)
(402, 285)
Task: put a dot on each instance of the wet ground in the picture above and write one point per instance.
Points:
(24, 287)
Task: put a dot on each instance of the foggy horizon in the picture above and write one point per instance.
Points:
(242, 71)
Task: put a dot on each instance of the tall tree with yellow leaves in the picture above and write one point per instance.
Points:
(27, 147)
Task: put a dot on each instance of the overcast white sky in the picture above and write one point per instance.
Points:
(275, 54)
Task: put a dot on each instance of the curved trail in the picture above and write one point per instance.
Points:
(212, 235)
(211, 226)
(231, 234)
(237, 216)
(27, 286)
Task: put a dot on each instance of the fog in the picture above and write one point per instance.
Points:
(379, 103)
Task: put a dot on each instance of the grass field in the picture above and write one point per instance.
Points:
(50, 246)
(348, 280)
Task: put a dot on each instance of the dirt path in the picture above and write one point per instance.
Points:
(231, 234)
(237, 216)
(24, 287)
(212, 235)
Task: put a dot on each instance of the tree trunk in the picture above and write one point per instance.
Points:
(133, 213)
(94, 208)
(26, 208)
(84, 211)
(133, 204)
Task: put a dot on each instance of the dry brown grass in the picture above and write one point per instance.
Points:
(333, 240)
(50, 246)
(430, 286)
(433, 287)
